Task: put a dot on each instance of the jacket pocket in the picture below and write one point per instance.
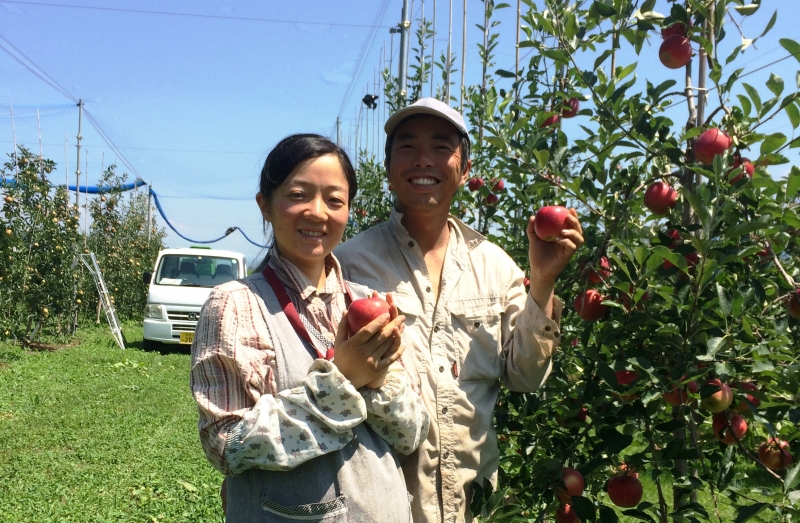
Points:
(477, 338)
(333, 511)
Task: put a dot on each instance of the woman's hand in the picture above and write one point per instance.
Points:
(365, 357)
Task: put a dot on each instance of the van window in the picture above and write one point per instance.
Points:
(196, 271)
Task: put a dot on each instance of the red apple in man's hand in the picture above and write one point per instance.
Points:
(550, 221)
(660, 198)
(674, 29)
(726, 432)
(589, 305)
(774, 453)
(571, 108)
(362, 312)
(675, 51)
(719, 400)
(625, 491)
(709, 144)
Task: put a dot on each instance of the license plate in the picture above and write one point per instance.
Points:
(187, 337)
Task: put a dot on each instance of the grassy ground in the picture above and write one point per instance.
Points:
(91, 433)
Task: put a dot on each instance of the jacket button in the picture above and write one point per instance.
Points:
(427, 289)
(547, 328)
(445, 454)
(436, 329)
(410, 244)
(477, 324)
(441, 368)
(444, 410)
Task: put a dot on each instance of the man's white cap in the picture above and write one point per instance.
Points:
(430, 106)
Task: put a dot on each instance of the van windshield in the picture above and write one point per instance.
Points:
(196, 271)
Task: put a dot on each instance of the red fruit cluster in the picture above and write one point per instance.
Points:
(660, 198)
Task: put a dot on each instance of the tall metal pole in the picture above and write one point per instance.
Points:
(403, 62)
(449, 54)
(516, 54)
(78, 162)
(338, 131)
(149, 212)
(433, 45)
(463, 58)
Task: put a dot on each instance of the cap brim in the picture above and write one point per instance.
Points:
(411, 110)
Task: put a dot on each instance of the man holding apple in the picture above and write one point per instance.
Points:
(470, 324)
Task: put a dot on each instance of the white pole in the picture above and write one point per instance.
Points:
(449, 53)
(66, 173)
(14, 134)
(78, 161)
(41, 152)
(433, 45)
(463, 58)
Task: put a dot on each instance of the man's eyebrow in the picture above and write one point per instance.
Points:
(440, 137)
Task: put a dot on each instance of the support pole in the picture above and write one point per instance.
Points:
(338, 131)
(449, 54)
(463, 59)
(403, 63)
(78, 161)
(433, 45)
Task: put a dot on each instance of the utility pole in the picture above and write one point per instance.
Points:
(449, 54)
(78, 162)
(463, 58)
(404, 28)
(433, 46)
(338, 131)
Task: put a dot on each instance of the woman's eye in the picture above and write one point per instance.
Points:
(295, 195)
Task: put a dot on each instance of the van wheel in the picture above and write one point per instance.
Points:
(150, 345)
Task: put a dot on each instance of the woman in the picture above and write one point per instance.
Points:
(300, 414)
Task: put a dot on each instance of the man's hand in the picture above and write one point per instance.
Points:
(548, 259)
(365, 357)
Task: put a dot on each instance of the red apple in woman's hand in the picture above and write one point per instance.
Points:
(550, 221)
(362, 312)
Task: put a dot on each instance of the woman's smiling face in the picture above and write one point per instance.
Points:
(309, 211)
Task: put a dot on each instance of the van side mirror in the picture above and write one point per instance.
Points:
(146, 277)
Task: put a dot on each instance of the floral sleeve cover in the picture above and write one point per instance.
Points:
(299, 424)
(396, 412)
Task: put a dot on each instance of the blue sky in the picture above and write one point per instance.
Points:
(194, 94)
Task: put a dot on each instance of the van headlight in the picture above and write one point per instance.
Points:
(152, 310)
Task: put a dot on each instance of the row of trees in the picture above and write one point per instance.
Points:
(44, 289)
(679, 299)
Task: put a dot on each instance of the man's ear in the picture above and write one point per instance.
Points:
(263, 205)
(465, 174)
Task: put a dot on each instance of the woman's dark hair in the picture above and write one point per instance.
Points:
(296, 149)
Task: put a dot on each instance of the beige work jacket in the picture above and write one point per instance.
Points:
(484, 330)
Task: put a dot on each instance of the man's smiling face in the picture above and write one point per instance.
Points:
(425, 164)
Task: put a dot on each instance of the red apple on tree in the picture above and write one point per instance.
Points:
(571, 108)
(679, 395)
(573, 485)
(589, 305)
(675, 51)
(362, 312)
(720, 400)
(625, 491)
(499, 185)
(625, 378)
(744, 405)
(774, 454)
(728, 432)
(598, 273)
(550, 221)
(747, 168)
(709, 144)
(550, 122)
(793, 304)
(492, 199)
(565, 514)
(475, 184)
(674, 29)
(660, 198)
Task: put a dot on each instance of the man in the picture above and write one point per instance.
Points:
(469, 321)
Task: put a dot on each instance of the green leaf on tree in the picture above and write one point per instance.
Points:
(607, 515)
(794, 115)
(747, 512)
(771, 23)
(754, 96)
(793, 184)
(772, 143)
(775, 84)
(791, 46)
(583, 508)
(747, 10)
(604, 9)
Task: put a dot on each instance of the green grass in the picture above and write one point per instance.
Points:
(91, 433)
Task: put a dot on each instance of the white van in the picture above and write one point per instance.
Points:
(179, 286)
